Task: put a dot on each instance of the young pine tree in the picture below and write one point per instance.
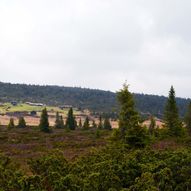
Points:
(130, 130)
(80, 123)
(71, 122)
(11, 124)
(86, 125)
(152, 125)
(22, 123)
(171, 116)
(188, 118)
(107, 124)
(100, 124)
(128, 117)
(59, 122)
(44, 124)
(94, 125)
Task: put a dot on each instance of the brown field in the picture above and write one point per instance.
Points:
(34, 120)
(158, 123)
(22, 145)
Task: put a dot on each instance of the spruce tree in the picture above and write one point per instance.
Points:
(44, 124)
(71, 122)
(171, 116)
(128, 117)
(59, 122)
(22, 123)
(152, 125)
(80, 123)
(130, 130)
(100, 124)
(86, 123)
(94, 124)
(107, 124)
(188, 118)
(11, 124)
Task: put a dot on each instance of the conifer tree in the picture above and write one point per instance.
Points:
(152, 125)
(130, 130)
(188, 118)
(59, 122)
(100, 124)
(44, 124)
(22, 123)
(71, 122)
(171, 116)
(94, 124)
(80, 123)
(86, 123)
(128, 117)
(11, 124)
(107, 124)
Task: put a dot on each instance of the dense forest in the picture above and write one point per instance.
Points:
(95, 100)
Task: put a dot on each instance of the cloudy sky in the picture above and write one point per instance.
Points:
(97, 44)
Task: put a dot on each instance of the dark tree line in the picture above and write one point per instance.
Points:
(95, 100)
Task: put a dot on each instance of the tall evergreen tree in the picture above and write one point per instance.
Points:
(22, 123)
(107, 124)
(130, 130)
(44, 124)
(11, 124)
(188, 118)
(128, 117)
(71, 122)
(171, 116)
(86, 123)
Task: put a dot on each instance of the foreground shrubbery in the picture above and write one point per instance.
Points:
(113, 168)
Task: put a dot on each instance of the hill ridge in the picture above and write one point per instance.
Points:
(93, 99)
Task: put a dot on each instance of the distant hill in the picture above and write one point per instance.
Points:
(95, 100)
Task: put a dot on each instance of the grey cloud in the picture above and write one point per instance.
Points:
(97, 44)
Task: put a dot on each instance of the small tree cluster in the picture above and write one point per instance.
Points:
(21, 123)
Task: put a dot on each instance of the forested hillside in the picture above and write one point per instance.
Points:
(95, 100)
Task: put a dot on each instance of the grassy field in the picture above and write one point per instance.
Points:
(22, 107)
(24, 144)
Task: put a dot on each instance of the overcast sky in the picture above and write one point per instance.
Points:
(97, 44)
